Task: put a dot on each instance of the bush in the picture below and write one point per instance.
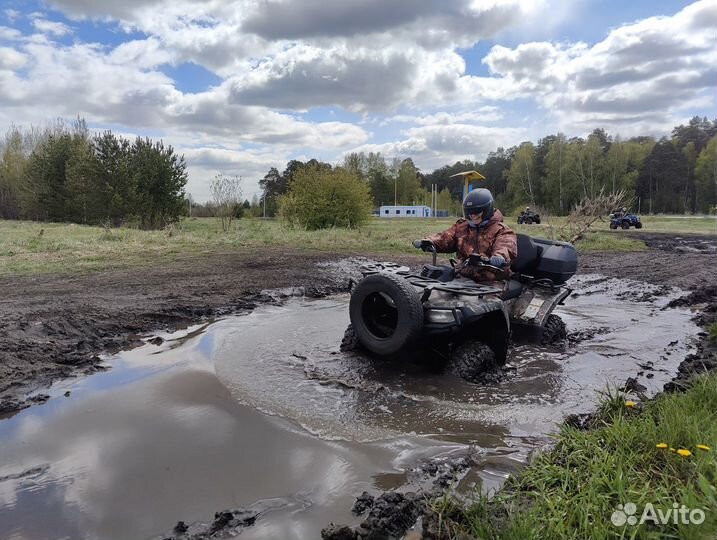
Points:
(320, 198)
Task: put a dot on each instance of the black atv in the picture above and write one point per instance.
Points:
(528, 217)
(395, 311)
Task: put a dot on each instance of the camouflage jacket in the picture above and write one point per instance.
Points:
(494, 238)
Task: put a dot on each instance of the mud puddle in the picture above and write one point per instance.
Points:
(263, 410)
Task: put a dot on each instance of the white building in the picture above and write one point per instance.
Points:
(405, 211)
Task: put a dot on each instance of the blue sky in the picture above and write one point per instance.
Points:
(239, 87)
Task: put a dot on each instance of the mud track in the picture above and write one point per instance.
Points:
(53, 327)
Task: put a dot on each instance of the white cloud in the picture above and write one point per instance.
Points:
(10, 59)
(57, 29)
(278, 59)
(639, 73)
(433, 146)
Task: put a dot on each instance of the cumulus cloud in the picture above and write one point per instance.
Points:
(657, 64)
(54, 28)
(279, 59)
(433, 146)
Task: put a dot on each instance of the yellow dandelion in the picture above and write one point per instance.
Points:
(704, 447)
(630, 404)
(661, 445)
(684, 452)
(672, 449)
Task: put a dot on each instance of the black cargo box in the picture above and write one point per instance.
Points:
(558, 261)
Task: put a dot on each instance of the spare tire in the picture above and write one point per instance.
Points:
(386, 313)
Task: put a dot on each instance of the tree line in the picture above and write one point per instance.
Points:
(62, 173)
(669, 175)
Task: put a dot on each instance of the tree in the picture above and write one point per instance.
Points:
(320, 198)
(660, 177)
(160, 176)
(116, 185)
(706, 178)
(521, 175)
(12, 170)
(226, 196)
(555, 161)
(408, 184)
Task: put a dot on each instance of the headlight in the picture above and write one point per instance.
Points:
(441, 316)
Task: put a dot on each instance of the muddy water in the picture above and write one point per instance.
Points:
(263, 409)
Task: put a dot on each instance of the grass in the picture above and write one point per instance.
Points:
(572, 491)
(38, 248)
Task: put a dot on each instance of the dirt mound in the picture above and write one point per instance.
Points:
(390, 516)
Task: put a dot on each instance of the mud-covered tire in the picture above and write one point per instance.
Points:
(350, 342)
(613, 226)
(554, 330)
(386, 313)
(471, 360)
(638, 225)
(537, 221)
(625, 225)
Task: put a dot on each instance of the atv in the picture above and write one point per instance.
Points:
(394, 311)
(625, 221)
(528, 217)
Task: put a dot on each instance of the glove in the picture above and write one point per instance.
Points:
(422, 244)
(497, 260)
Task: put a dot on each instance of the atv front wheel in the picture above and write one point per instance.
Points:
(625, 225)
(553, 331)
(386, 313)
(638, 225)
(471, 359)
(350, 342)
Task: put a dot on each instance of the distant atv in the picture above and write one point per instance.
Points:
(528, 217)
(625, 221)
(394, 311)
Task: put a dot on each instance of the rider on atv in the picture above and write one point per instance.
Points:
(483, 232)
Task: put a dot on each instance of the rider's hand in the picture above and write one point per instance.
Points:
(497, 260)
(422, 244)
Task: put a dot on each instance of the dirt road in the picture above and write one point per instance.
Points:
(56, 326)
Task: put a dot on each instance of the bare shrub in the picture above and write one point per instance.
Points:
(588, 211)
(227, 197)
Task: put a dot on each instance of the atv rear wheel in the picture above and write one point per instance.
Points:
(613, 226)
(386, 313)
(553, 331)
(471, 359)
(625, 225)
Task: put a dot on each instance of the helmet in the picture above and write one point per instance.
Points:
(477, 201)
(624, 209)
(527, 208)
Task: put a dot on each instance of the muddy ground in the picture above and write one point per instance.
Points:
(53, 327)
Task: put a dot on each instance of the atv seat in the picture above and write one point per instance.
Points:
(513, 288)
(528, 255)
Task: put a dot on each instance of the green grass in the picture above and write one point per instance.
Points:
(571, 491)
(36, 248)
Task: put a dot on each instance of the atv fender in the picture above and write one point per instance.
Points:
(535, 304)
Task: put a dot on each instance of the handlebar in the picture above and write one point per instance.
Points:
(476, 259)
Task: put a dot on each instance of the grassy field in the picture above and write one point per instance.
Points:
(572, 491)
(30, 248)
